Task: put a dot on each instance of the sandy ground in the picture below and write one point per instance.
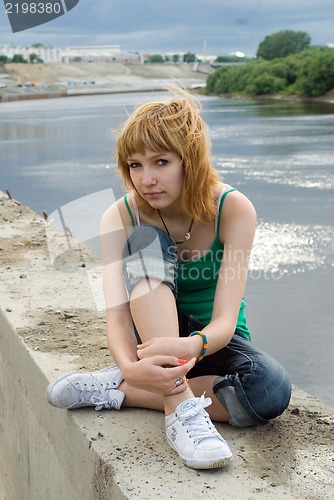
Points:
(75, 332)
(50, 329)
(100, 73)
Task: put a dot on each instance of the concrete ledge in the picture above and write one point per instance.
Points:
(84, 454)
(45, 453)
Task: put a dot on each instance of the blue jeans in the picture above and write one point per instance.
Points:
(251, 386)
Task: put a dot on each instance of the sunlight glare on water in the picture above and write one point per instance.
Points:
(291, 248)
(299, 170)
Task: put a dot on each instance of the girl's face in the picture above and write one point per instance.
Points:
(158, 177)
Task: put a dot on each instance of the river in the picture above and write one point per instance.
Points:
(280, 154)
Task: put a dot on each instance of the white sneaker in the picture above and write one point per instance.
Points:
(79, 389)
(193, 436)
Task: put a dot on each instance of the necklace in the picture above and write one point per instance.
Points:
(186, 236)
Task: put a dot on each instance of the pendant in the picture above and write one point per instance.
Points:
(186, 238)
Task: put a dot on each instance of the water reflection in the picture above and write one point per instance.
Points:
(270, 108)
(291, 248)
(302, 170)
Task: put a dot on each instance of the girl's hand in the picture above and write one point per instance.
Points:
(180, 347)
(165, 375)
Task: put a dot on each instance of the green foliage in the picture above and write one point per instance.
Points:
(231, 59)
(33, 57)
(18, 58)
(4, 59)
(316, 74)
(189, 57)
(176, 58)
(156, 58)
(307, 73)
(266, 84)
(282, 44)
(220, 59)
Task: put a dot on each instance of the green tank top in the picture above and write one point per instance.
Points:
(197, 282)
(197, 279)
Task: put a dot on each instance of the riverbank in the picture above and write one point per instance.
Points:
(304, 74)
(329, 97)
(51, 81)
(40, 81)
(49, 323)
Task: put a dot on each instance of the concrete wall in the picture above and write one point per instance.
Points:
(43, 453)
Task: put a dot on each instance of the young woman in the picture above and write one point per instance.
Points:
(176, 250)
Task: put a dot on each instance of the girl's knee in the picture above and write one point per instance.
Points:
(274, 388)
(257, 397)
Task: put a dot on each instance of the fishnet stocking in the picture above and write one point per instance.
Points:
(154, 313)
(153, 310)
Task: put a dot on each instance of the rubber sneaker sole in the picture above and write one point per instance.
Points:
(192, 464)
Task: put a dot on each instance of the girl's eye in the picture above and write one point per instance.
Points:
(159, 163)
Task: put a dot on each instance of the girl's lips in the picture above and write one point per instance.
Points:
(153, 193)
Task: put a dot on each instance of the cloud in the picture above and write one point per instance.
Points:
(151, 26)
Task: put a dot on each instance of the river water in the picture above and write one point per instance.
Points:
(59, 153)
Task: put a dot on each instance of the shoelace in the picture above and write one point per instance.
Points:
(199, 421)
(96, 394)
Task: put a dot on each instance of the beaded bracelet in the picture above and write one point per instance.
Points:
(205, 343)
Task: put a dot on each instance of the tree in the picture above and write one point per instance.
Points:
(4, 59)
(18, 58)
(222, 59)
(176, 58)
(266, 84)
(33, 57)
(156, 58)
(282, 44)
(316, 75)
(306, 73)
(189, 57)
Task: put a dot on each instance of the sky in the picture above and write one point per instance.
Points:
(216, 27)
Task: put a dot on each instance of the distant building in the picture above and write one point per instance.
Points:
(177, 57)
(89, 53)
(46, 54)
